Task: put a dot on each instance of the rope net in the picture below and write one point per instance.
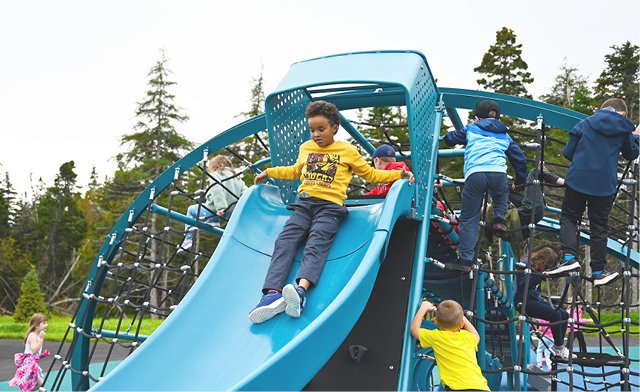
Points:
(508, 336)
(150, 272)
(152, 269)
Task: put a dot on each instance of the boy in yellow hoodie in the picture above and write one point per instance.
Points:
(325, 167)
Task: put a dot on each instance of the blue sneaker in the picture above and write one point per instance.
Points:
(269, 306)
(294, 298)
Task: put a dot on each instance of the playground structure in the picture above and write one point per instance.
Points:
(353, 334)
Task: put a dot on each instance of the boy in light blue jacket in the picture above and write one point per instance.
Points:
(485, 170)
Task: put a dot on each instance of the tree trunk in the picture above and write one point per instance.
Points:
(155, 258)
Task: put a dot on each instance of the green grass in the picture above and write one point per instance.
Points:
(58, 326)
(614, 329)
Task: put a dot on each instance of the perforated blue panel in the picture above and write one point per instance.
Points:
(288, 129)
(422, 117)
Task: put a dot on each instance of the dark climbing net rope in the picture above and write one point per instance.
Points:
(148, 274)
(498, 305)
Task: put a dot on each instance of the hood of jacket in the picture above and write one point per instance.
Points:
(491, 125)
(610, 123)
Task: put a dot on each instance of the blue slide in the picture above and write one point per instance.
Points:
(208, 342)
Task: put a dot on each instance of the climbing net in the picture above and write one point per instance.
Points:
(492, 286)
(146, 273)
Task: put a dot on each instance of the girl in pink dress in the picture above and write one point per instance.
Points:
(28, 373)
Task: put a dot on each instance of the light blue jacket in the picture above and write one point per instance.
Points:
(488, 147)
(222, 196)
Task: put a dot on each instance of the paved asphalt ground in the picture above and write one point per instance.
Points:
(9, 347)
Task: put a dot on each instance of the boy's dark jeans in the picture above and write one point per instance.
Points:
(573, 207)
(473, 192)
(316, 220)
(542, 310)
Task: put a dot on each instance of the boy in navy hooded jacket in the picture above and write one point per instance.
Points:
(485, 169)
(593, 149)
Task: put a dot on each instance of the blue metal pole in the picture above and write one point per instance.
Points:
(157, 209)
(508, 265)
(408, 358)
(481, 327)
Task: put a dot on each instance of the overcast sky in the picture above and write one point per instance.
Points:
(71, 72)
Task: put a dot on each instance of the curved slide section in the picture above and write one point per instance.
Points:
(208, 343)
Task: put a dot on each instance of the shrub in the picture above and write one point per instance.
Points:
(31, 298)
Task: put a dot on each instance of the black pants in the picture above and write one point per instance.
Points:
(573, 207)
(542, 310)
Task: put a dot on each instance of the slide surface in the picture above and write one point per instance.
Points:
(208, 343)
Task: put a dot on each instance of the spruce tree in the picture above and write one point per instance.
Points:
(61, 228)
(620, 78)
(253, 148)
(154, 145)
(99, 222)
(503, 68)
(14, 265)
(31, 298)
(7, 206)
(505, 71)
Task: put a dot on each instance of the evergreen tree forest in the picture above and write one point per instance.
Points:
(53, 235)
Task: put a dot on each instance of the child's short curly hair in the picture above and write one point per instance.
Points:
(326, 109)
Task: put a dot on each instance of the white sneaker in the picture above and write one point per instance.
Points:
(185, 245)
(294, 299)
(604, 277)
(561, 352)
(565, 266)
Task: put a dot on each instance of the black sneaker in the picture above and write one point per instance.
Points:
(461, 265)
(565, 266)
(604, 277)
(500, 229)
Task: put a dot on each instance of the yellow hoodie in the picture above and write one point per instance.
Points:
(325, 172)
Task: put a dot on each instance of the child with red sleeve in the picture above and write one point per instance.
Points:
(384, 158)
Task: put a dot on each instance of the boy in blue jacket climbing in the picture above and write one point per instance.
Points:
(485, 169)
(593, 149)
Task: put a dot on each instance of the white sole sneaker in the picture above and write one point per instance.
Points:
(292, 299)
(565, 268)
(264, 313)
(599, 282)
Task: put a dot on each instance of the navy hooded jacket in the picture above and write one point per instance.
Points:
(488, 146)
(593, 149)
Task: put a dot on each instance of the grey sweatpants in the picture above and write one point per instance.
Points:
(316, 220)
